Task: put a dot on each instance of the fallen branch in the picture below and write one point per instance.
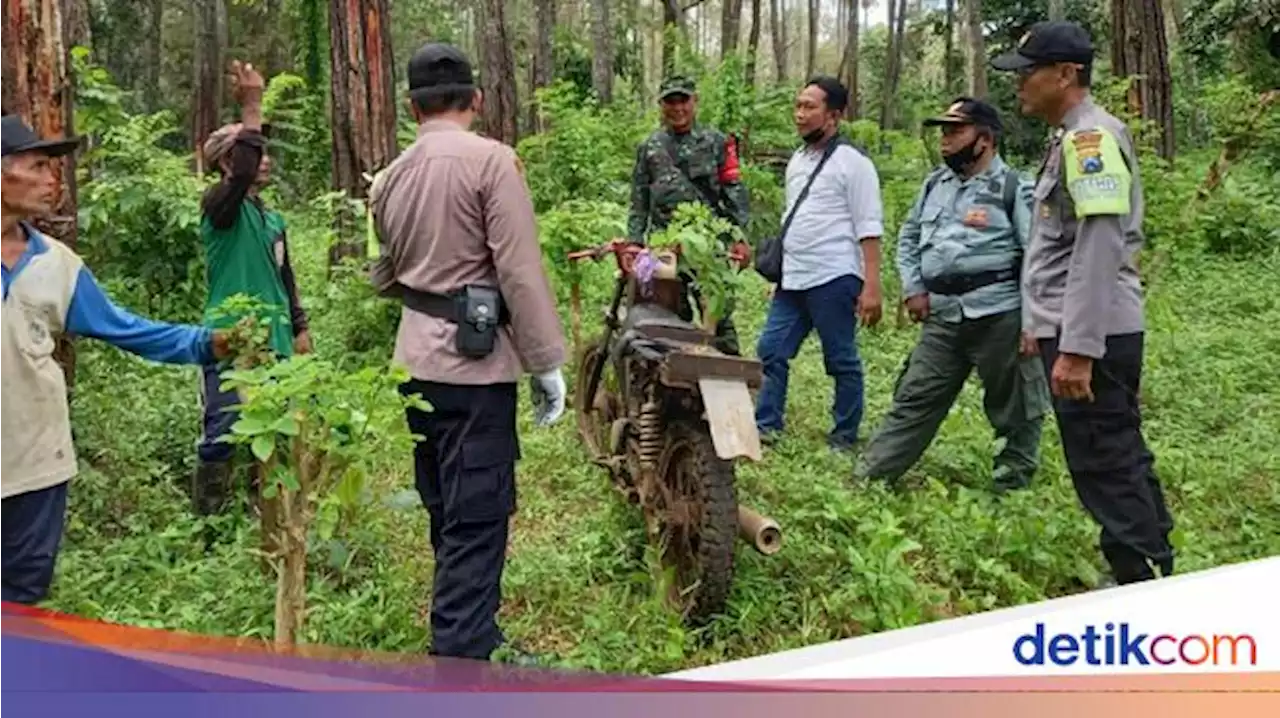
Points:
(1234, 147)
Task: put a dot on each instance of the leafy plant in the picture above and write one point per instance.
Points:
(702, 241)
(313, 428)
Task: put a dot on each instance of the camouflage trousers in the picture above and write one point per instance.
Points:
(1016, 398)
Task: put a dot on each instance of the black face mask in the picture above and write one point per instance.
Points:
(815, 136)
(962, 158)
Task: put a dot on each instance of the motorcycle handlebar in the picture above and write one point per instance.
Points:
(622, 249)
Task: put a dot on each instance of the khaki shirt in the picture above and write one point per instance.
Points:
(1080, 280)
(452, 210)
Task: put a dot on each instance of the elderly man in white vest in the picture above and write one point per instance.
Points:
(48, 292)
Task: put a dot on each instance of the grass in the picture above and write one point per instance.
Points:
(579, 582)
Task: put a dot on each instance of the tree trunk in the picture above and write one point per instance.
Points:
(977, 56)
(313, 26)
(362, 108)
(39, 87)
(206, 108)
(753, 43)
(291, 579)
(543, 62)
(152, 98)
(498, 75)
(811, 55)
(602, 57)
(76, 21)
(949, 51)
(1057, 9)
(850, 63)
(778, 31)
(670, 24)
(897, 26)
(730, 27)
(1139, 51)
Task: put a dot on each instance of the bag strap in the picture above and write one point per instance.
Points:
(835, 142)
(667, 144)
(1010, 191)
(1010, 188)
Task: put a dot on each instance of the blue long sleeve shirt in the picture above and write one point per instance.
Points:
(91, 313)
(49, 292)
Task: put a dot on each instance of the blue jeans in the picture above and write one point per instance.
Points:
(830, 308)
(219, 416)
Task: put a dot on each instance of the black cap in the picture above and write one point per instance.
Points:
(968, 111)
(17, 136)
(1047, 43)
(439, 67)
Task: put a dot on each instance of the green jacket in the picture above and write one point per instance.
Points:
(658, 185)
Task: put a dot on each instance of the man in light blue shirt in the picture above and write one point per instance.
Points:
(830, 265)
(960, 257)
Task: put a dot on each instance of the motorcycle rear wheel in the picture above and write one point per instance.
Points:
(695, 521)
(594, 421)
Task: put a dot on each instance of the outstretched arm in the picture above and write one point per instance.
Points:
(93, 314)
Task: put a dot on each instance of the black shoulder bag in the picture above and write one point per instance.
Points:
(769, 253)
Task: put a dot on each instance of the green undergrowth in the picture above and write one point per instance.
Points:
(580, 583)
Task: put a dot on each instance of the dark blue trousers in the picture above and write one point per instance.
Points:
(32, 531)
(831, 309)
(464, 469)
(218, 419)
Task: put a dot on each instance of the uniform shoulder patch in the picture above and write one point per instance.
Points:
(1097, 176)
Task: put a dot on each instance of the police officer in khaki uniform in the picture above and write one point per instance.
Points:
(1082, 300)
(459, 248)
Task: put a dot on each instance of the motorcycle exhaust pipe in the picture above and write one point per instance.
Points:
(762, 532)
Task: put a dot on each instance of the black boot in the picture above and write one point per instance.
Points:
(210, 487)
(209, 490)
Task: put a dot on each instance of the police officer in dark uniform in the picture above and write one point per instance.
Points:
(459, 248)
(1082, 299)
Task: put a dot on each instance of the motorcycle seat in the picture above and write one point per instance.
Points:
(652, 330)
(644, 318)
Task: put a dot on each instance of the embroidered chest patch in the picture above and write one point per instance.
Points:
(976, 217)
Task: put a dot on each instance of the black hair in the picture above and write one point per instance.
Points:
(1084, 76)
(433, 103)
(837, 95)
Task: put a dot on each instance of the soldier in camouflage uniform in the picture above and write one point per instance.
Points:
(686, 162)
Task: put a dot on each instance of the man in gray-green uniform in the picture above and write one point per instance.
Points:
(1082, 298)
(960, 255)
(686, 162)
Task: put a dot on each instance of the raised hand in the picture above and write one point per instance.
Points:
(246, 83)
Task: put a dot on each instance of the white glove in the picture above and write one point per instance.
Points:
(548, 397)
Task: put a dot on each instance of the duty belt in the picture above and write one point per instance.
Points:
(450, 307)
(958, 284)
